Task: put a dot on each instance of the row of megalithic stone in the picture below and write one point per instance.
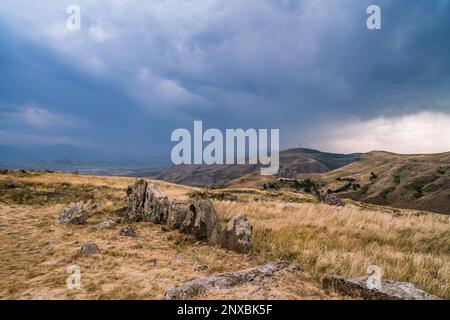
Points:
(197, 217)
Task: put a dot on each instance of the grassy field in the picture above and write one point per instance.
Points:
(35, 253)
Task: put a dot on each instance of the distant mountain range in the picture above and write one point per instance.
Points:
(68, 158)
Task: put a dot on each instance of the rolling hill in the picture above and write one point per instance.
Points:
(407, 181)
(420, 182)
(292, 163)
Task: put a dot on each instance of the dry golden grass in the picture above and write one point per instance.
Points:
(35, 253)
(346, 240)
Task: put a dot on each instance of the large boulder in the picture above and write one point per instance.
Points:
(177, 214)
(156, 206)
(201, 221)
(135, 200)
(72, 214)
(237, 236)
(389, 290)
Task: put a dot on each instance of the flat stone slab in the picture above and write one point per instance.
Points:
(191, 289)
(389, 290)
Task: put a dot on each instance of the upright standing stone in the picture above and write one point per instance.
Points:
(206, 224)
(238, 234)
(135, 200)
(156, 206)
(177, 213)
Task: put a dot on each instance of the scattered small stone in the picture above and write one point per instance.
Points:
(73, 214)
(106, 224)
(138, 246)
(128, 231)
(153, 261)
(88, 249)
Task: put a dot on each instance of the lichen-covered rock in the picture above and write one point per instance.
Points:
(135, 200)
(156, 206)
(177, 214)
(88, 249)
(108, 224)
(72, 214)
(237, 236)
(188, 223)
(194, 288)
(389, 290)
(206, 225)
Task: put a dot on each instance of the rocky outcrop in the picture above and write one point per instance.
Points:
(389, 290)
(72, 214)
(194, 288)
(177, 214)
(135, 200)
(198, 218)
(237, 236)
(88, 249)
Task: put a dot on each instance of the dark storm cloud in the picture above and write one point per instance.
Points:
(137, 70)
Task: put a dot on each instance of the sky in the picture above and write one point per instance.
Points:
(137, 70)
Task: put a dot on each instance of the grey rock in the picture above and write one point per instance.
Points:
(188, 223)
(177, 214)
(237, 236)
(156, 206)
(128, 231)
(88, 249)
(135, 200)
(390, 290)
(73, 214)
(194, 288)
(202, 222)
(108, 224)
